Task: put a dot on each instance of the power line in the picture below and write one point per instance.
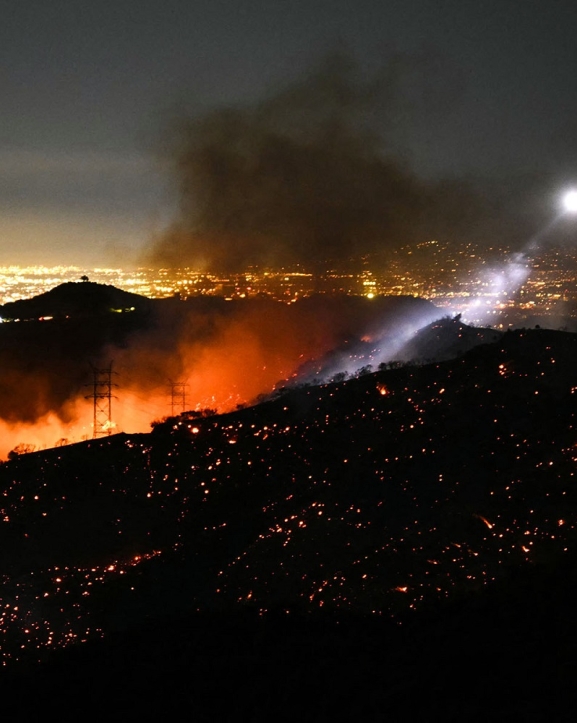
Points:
(177, 396)
(102, 395)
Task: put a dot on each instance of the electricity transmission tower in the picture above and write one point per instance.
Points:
(177, 396)
(102, 396)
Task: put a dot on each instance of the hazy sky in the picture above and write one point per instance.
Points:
(85, 86)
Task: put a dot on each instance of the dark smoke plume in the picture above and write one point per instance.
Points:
(304, 176)
(310, 175)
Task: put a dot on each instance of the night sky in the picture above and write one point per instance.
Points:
(487, 89)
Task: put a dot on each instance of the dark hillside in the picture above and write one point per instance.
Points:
(506, 654)
(446, 338)
(438, 498)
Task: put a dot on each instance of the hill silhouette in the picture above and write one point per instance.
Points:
(446, 338)
(75, 299)
(415, 333)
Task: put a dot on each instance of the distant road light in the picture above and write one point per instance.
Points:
(570, 201)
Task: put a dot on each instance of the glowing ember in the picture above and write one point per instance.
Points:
(485, 521)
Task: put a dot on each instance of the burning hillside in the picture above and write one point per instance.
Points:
(226, 353)
(336, 497)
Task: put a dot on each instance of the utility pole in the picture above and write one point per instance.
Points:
(177, 396)
(102, 396)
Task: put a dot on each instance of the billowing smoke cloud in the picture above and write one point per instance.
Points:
(304, 176)
(311, 175)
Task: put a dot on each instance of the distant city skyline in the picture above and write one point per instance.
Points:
(497, 289)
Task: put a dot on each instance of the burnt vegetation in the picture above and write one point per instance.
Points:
(363, 544)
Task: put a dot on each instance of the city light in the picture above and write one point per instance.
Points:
(488, 285)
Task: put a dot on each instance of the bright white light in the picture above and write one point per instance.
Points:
(570, 201)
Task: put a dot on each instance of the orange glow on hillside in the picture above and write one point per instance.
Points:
(225, 355)
(47, 432)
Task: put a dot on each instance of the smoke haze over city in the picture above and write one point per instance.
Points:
(313, 175)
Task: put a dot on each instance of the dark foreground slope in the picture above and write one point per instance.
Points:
(506, 654)
(402, 542)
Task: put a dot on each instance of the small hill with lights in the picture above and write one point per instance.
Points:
(75, 299)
